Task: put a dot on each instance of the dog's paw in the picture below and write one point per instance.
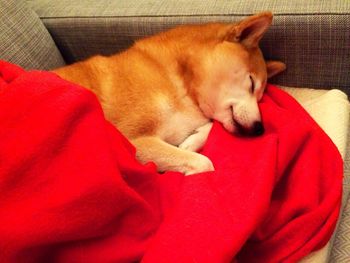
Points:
(193, 143)
(199, 164)
(197, 140)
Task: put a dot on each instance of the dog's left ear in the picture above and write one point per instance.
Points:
(250, 30)
(274, 67)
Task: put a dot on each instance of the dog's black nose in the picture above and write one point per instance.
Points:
(258, 128)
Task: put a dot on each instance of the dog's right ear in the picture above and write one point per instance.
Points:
(274, 67)
(249, 31)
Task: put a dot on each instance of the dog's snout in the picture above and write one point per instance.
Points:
(258, 128)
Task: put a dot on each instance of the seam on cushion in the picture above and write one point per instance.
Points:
(196, 15)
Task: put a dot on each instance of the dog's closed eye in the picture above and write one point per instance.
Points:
(252, 88)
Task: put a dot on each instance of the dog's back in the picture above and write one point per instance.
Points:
(143, 87)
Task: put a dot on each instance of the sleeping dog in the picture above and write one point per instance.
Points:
(164, 91)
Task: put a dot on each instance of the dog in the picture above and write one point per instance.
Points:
(164, 91)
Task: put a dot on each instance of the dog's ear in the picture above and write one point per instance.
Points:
(274, 67)
(249, 31)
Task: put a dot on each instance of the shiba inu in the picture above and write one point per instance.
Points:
(164, 91)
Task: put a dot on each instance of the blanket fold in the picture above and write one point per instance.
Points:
(72, 191)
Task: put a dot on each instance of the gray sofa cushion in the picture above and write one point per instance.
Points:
(24, 39)
(310, 36)
(341, 246)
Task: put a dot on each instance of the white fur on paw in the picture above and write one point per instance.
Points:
(199, 165)
(197, 140)
(192, 143)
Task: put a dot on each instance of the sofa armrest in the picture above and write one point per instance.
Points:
(24, 39)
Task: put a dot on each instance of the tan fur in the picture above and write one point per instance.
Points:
(164, 91)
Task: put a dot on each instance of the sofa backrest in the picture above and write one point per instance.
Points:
(311, 37)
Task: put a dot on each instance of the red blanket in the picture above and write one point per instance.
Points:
(72, 191)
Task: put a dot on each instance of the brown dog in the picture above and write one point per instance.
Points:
(163, 92)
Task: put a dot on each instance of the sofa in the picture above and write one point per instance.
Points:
(311, 37)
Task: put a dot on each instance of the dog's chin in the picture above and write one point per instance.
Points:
(237, 129)
(230, 127)
(233, 127)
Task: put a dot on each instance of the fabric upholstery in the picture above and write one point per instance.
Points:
(341, 245)
(24, 39)
(66, 8)
(312, 37)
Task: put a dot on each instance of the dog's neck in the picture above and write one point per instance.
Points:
(183, 70)
(187, 70)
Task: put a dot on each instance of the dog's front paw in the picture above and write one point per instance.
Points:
(197, 140)
(199, 164)
(193, 143)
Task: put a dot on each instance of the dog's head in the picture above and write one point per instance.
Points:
(231, 74)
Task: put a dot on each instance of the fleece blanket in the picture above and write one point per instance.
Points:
(72, 191)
